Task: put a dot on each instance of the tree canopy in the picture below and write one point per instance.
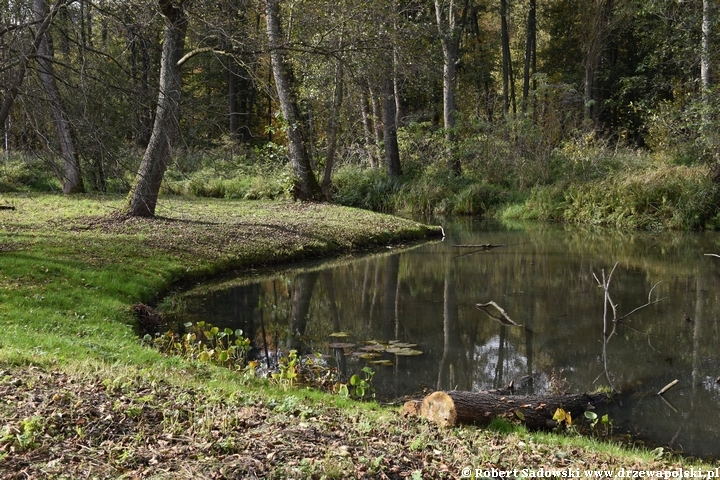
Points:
(82, 83)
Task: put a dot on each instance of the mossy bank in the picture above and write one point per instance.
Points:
(80, 396)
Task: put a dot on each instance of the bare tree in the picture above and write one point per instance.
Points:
(597, 26)
(70, 176)
(450, 30)
(14, 89)
(507, 68)
(392, 150)
(332, 128)
(530, 54)
(142, 198)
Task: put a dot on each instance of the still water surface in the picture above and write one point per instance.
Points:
(544, 278)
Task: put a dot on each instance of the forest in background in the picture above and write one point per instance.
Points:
(593, 111)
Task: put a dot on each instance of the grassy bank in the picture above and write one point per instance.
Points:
(81, 397)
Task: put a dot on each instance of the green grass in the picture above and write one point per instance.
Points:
(652, 197)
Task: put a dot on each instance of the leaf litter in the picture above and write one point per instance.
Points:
(56, 425)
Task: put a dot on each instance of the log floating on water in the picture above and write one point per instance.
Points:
(480, 408)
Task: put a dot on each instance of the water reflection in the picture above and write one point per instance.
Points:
(543, 278)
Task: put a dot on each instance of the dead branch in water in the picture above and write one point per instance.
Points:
(505, 318)
(605, 285)
(484, 246)
(668, 386)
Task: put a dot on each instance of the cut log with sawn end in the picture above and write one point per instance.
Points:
(480, 408)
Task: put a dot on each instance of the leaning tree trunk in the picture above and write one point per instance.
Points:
(14, 89)
(308, 187)
(480, 408)
(144, 193)
(70, 176)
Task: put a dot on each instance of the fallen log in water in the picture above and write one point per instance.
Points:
(480, 408)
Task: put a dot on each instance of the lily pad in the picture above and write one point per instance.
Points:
(373, 348)
(399, 344)
(341, 345)
(340, 334)
(404, 352)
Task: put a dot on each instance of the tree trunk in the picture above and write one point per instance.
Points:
(70, 177)
(705, 70)
(12, 92)
(705, 62)
(597, 27)
(307, 185)
(505, 44)
(368, 128)
(233, 110)
(376, 105)
(332, 129)
(480, 408)
(143, 195)
(392, 151)
(530, 55)
(449, 33)
(140, 70)
(397, 90)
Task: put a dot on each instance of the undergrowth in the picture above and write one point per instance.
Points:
(582, 179)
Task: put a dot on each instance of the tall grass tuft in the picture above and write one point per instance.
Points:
(370, 189)
(653, 197)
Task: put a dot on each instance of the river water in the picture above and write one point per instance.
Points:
(546, 279)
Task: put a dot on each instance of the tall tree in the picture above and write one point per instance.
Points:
(332, 128)
(70, 177)
(307, 185)
(13, 91)
(450, 31)
(142, 198)
(507, 69)
(392, 150)
(530, 53)
(597, 15)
